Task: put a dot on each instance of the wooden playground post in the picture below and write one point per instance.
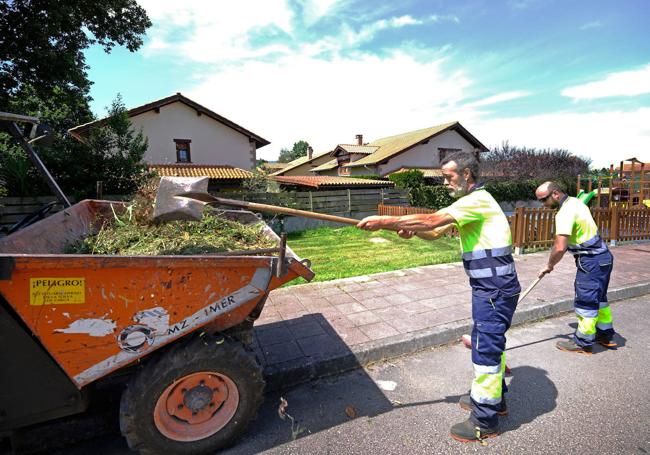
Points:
(613, 225)
(578, 184)
(642, 184)
(600, 184)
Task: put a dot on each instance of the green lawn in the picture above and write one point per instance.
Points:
(344, 252)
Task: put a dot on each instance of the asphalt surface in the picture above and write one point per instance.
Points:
(559, 403)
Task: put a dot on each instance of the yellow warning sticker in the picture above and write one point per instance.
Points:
(57, 291)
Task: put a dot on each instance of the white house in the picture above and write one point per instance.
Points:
(421, 149)
(182, 132)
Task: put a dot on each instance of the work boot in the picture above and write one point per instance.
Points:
(607, 341)
(465, 403)
(467, 431)
(571, 346)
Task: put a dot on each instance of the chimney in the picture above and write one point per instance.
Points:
(310, 152)
(359, 139)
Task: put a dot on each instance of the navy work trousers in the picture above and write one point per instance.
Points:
(591, 306)
(492, 318)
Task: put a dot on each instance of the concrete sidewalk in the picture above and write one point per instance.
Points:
(312, 330)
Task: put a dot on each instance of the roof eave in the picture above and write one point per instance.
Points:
(78, 131)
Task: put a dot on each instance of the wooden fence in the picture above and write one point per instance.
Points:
(534, 227)
(340, 202)
(330, 202)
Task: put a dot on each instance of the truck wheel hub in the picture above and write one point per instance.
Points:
(198, 398)
(196, 406)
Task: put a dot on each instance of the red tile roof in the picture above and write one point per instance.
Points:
(320, 181)
(220, 172)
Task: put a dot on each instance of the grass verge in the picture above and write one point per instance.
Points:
(348, 251)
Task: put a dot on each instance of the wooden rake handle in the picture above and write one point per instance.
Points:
(523, 295)
(210, 199)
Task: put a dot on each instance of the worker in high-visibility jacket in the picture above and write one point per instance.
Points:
(577, 232)
(487, 257)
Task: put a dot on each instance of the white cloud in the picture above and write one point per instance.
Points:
(624, 83)
(329, 102)
(499, 98)
(319, 8)
(522, 4)
(450, 18)
(325, 103)
(368, 32)
(297, 95)
(213, 31)
(605, 137)
(590, 25)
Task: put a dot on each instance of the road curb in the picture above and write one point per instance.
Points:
(287, 374)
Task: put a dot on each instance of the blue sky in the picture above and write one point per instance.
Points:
(539, 73)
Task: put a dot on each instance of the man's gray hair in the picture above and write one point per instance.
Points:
(552, 186)
(464, 160)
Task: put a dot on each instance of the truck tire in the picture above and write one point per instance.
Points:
(195, 398)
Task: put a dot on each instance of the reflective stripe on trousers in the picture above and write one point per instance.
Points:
(605, 321)
(487, 384)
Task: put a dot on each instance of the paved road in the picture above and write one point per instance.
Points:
(559, 403)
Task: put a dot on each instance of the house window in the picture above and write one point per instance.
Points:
(443, 152)
(344, 170)
(183, 151)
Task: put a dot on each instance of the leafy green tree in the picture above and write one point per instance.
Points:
(42, 42)
(257, 183)
(112, 155)
(420, 194)
(43, 74)
(117, 151)
(60, 110)
(299, 149)
(407, 179)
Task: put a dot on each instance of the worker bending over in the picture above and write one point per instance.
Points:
(576, 230)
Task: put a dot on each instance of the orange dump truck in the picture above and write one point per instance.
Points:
(179, 327)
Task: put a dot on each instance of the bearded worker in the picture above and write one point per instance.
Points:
(487, 257)
(576, 231)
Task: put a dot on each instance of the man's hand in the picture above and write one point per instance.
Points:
(373, 223)
(545, 270)
(405, 234)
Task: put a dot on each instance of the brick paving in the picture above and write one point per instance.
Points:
(308, 323)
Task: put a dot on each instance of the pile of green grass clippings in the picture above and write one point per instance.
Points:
(132, 234)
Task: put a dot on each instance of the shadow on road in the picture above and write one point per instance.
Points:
(531, 393)
(292, 352)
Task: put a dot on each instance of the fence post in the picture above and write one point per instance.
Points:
(100, 189)
(613, 225)
(349, 202)
(311, 202)
(519, 230)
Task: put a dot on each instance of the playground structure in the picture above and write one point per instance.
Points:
(625, 187)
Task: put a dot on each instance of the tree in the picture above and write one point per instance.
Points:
(117, 151)
(113, 155)
(299, 149)
(42, 42)
(60, 110)
(43, 74)
(532, 163)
